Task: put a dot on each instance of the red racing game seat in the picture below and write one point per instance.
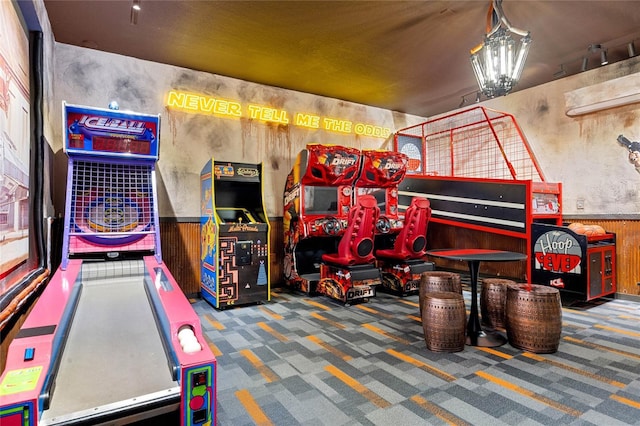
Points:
(403, 264)
(356, 245)
(411, 242)
(351, 274)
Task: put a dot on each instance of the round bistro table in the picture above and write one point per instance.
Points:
(476, 336)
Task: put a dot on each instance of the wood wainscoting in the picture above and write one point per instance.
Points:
(181, 251)
(627, 251)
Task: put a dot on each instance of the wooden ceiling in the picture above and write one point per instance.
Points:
(406, 56)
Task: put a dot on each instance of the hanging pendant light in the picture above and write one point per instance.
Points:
(498, 61)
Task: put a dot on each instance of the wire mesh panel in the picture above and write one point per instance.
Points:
(475, 143)
(112, 206)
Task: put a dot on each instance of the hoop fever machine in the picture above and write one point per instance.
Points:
(112, 339)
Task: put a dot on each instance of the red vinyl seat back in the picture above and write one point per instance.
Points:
(356, 245)
(411, 242)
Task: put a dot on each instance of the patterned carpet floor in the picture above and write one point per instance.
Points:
(301, 360)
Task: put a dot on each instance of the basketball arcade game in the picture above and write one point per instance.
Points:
(318, 199)
(112, 338)
(479, 172)
(381, 173)
(234, 257)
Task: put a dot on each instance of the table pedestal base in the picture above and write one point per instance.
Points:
(486, 339)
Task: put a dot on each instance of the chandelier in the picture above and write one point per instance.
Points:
(498, 61)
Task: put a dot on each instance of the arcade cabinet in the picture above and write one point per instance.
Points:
(318, 195)
(400, 259)
(234, 261)
(112, 339)
(579, 262)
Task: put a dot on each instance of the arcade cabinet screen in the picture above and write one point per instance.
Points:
(232, 215)
(239, 195)
(380, 194)
(321, 200)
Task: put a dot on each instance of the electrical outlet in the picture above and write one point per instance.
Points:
(580, 204)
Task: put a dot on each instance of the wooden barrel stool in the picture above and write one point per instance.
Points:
(438, 281)
(444, 319)
(533, 317)
(493, 298)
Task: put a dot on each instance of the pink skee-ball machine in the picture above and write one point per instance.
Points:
(112, 338)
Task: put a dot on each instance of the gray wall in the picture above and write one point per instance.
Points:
(187, 139)
(580, 152)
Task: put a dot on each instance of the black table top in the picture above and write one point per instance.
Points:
(481, 255)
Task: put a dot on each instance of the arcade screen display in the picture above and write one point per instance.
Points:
(233, 215)
(380, 194)
(321, 200)
(240, 195)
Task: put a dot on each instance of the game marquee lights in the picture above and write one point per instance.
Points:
(225, 108)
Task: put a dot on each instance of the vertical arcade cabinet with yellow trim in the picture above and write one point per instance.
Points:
(234, 233)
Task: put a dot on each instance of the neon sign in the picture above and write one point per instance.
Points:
(226, 108)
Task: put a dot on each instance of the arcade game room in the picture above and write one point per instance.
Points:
(319, 212)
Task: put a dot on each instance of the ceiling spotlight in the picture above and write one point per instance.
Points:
(603, 52)
(498, 61)
(603, 57)
(135, 8)
(585, 63)
(631, 48)
(561, 73)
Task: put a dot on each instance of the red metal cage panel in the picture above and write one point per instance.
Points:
(474, 143)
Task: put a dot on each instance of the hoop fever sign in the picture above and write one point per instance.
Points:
(558, 251)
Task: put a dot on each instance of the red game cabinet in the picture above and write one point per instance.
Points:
(582, 267)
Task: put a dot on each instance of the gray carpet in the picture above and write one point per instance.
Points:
(300, 360)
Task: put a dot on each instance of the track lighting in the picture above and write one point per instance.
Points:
(585, 63)
(603, 57)
(561, 73)
(135, 8)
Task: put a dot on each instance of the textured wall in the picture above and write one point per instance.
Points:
(582, 152)
(89, 77)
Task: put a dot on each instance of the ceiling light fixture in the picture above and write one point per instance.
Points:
(631, 49)
(497, 62)
(603, 57)
(560, 73)
(585, 63)
(135, 8)
(603, 52)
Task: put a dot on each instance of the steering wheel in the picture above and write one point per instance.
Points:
(331, 226)
(383, 224)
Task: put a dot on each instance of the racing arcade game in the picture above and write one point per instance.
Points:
(318, 197)
(381, 173)
(234, 260)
